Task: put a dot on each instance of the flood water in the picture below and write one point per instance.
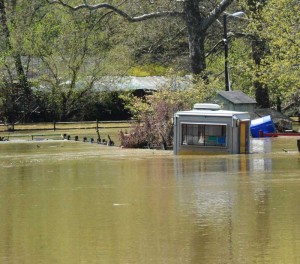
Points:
(74, 202)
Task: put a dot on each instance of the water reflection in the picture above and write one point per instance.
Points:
(236, 203)
(76, 203)
(261, 145)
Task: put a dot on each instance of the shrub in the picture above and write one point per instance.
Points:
(155, 112)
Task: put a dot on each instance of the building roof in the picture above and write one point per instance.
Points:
(130, 83)
(150, 83)
(236, 97)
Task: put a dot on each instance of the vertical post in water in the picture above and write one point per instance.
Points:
(54, 125)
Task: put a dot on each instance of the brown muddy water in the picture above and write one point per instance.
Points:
(73, 202)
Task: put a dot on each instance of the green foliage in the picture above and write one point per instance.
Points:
(80, 53)
(241, 66)
(281, 28)
(277, 23)
(65, 53)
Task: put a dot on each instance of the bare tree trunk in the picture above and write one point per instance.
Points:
(259, 50)
(261, 91)
(261, 95)
(194, 22)
(4, 22)
(22, 78)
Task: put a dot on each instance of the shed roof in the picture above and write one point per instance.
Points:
(237, 97)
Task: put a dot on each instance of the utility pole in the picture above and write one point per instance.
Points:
(227, 81)
(239, 15)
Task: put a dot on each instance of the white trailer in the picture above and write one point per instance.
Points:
(209, 130)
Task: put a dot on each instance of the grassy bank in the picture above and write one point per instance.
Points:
(41, 131)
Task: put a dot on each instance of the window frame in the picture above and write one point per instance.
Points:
(205, 142)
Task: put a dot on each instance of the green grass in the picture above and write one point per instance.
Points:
(40, 131)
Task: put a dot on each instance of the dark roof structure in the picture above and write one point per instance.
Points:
(237, 97)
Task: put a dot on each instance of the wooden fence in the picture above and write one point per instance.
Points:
(55, 126)
(88, 130)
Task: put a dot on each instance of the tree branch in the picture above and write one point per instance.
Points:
(215, 14)
(214, 48)
(230, 35)
(117, 11)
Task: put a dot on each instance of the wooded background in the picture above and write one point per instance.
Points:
(53, 52)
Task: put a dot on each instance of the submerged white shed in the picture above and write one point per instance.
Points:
(208, 129)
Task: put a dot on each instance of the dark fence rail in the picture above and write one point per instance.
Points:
(88, 131)
(54, 126)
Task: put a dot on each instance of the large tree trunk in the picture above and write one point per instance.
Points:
(259, 50)
(194, 22)
(261, 95)
(261, 91)
(22, 76)
(197, 52)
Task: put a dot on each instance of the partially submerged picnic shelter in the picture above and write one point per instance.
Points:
(208, 129)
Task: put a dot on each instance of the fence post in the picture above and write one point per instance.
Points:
(54, 126)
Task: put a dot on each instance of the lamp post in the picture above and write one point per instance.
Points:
(237, 15)
(227, 82)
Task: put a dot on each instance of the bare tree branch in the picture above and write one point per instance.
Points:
(213, 15)
(117, 10)
(215, 48)
(196, 22)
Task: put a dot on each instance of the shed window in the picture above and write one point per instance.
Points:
(203, 134)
